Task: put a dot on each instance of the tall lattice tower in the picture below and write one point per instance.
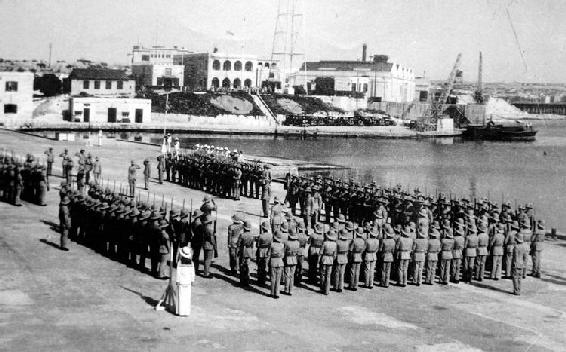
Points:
(287, 37)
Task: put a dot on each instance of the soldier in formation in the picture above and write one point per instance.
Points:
(370, 234)
(219, 173)
(23, 179)
(132, 231)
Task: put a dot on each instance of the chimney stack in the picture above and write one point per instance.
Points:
(364, 52)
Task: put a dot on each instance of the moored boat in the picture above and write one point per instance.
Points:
(519, 131)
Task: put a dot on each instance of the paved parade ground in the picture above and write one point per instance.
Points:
(52, 300)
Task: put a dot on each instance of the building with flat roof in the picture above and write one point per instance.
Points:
(109, 110)
(101, 82)
(16, 94)
(156, 54)
(165, 76)
(378, 78)
(211, 71)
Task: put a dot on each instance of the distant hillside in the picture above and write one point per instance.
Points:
(207, 104)
(296, 104)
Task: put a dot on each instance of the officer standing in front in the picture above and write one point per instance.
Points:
(132, 177)
(276, 253)
(245, 250)
(234, 232)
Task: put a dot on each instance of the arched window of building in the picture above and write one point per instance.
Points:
(227, 66)
(267, 65)
(273, 65)
(215, 83)
(248, 83)
(226, 83)
(249, 66)
(216, 65)
(237, 83)
(238, 66)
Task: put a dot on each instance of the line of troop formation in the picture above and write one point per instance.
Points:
(133, 231)
(23, 178)
(404, 234)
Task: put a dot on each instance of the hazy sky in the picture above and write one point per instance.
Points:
(423, 34)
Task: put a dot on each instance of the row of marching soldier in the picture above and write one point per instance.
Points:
(418, 253)
(23, 179)
(133, 231)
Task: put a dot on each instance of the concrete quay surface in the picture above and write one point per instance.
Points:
(233, 129)
(52, 300)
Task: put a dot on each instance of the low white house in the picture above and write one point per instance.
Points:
(110, 110)
(16, 94)
(101, 82)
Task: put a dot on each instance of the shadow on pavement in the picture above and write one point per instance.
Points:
(554, 279)
(53, 226)
(149, 300)
(52, 244)
(510, 291)
(224, 274)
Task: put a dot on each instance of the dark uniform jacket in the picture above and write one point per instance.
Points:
(433, 249)
(342, 248)
(483, 242)
(496, 243)
(471, 245)
(459, 242)
(292, 249)
(386, 250)
(277, 251)
(372, 246)
(263, 244)
(420, 245)
(328, 252)
(446, 247)
(245, 245)
(357, 247)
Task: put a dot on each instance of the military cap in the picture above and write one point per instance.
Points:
(318, 228)
(265, 226)
(519, 238)
(65, 200)
(154, 215)
(529, 206)
(330, 235)
(292, 234)
(342, 234)
(389, 232)
(540, 224)
(350, 226)
(236, 218)
(341, 218)
(434, 233)
(163, 223)
(360, 232)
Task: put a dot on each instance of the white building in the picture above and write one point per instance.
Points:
(110, 110)
(160, 55)
(378, 79)
(159, 75)
(101, 82)
(16, 94)
(210, 71)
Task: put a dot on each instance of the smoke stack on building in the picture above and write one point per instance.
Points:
(364, 52)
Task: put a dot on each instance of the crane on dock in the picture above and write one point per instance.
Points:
(437, 106)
